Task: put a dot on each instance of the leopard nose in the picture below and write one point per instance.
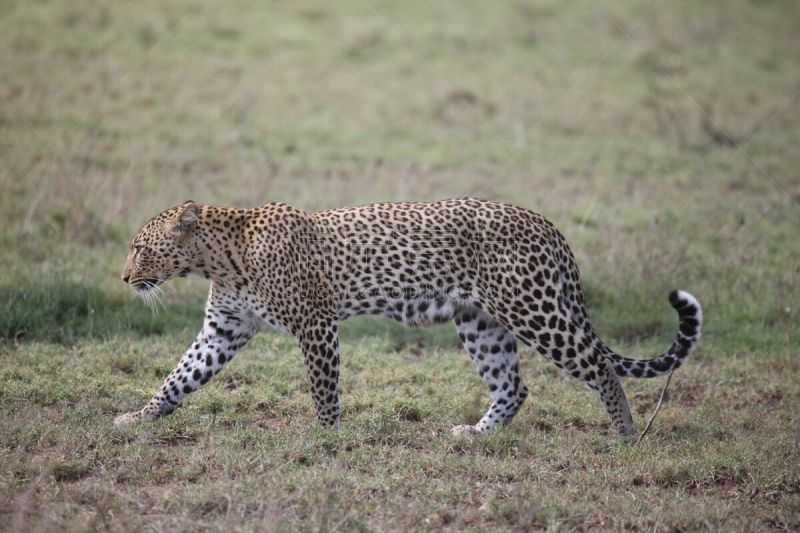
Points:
(126, 277)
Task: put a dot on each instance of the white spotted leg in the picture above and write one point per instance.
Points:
(493, 350)
(223, 335)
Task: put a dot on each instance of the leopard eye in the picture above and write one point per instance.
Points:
(138, 248)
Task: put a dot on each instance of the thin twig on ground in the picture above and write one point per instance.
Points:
(655, 412)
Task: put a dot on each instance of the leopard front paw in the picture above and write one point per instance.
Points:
(464, 431)
(127, 419)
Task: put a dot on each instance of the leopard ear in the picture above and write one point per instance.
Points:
(187, 219)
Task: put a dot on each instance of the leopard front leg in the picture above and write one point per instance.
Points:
(222, 336)
(319, 342)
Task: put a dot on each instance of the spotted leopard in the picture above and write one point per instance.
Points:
(501, 273)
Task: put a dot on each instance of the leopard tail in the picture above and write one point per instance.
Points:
(690, 321)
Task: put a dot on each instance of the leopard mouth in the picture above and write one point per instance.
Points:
(145, 284)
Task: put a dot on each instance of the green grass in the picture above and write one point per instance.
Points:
(50, 307)
(596, 117)
(242, 452)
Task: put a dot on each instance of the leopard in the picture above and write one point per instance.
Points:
(502, 274)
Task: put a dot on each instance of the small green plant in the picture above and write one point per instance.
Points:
(70, 470)
(407, 410)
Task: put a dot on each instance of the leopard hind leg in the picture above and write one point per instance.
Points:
(576, 349)
(493, 350)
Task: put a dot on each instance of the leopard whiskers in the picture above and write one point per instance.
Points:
(149, 299)
(163, 283)
(158, 296)
(152, 296)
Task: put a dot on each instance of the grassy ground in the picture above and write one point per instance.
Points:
(661, 137)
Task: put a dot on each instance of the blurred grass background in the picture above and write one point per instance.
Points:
(662, 138)
(616, 122)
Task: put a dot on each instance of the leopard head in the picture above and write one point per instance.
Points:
(165, 248)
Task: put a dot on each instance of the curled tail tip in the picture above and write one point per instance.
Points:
(690, 319)
(686, 305)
